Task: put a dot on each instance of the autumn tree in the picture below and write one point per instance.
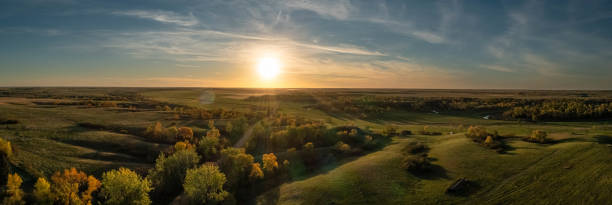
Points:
(125, 187)
(208, 147)
(236, 164)
(169, 172)
(5, 152)
(256, 172)
(74, 187)
(205, 184)
(269, 162)
(185, 133)
(538, 136)
(42, 192)
(14, 194)
(5, 147)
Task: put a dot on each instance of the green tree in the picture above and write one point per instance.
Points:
(42, 192)
(208, 147)
(14, 194)
(169, 172)
(205, 184)
(124, 186)
(235, 163)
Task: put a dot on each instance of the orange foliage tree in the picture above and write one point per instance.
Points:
(68, 186)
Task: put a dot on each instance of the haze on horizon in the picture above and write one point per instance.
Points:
(307, 43)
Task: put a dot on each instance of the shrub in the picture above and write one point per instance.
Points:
(342, 147)
(124, 186)
(205, 184)
(538, 136)
(309, 146)
(414, 148)
(416, 163)
(476, 133)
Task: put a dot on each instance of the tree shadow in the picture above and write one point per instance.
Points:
(468, 188)
(434, 171)
(604, 139)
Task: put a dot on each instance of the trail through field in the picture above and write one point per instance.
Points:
(245, 137)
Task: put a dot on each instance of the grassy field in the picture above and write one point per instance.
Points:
(54, 133)
(575, 172)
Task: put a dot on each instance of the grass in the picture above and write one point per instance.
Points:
(572, 172)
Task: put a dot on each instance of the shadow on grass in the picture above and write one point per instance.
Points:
(604, 139)
(434, 172)
(469, 188)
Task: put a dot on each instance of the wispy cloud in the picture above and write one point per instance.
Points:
(429, 37)
(498, 68)
(161, 16)
(335, 9)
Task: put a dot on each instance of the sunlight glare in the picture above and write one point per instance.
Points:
(268, 67)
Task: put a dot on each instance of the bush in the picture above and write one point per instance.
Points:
(415, 148)
(124, 186)
(416, 163)
(538, 136)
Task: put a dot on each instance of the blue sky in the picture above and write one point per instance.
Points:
(383, 44)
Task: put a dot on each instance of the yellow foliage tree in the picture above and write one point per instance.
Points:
(67, 185)
(42, 192)
(14, 194)
(489, 140)
(5, 147)
(309, 146)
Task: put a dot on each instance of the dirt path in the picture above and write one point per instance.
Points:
(245, 137)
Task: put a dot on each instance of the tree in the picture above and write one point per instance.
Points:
(235, 163)
(538, 136)
(125, 186)
(14, 194)
(205, 184)
(42, 192)
(169, 172)
(256, 172)
(67, 186)
(185, 133)
(182, 146)
(208, 147)
(489, 140)
(342, 147)
(309, 146)
(269, 162)
(5, 147)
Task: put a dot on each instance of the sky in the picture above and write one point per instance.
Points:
(361, 44)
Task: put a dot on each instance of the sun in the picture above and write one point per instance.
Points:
(268, 68)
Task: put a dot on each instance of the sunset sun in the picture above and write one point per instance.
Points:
(268, 67)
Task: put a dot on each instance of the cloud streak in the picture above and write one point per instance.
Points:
(161, 16)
